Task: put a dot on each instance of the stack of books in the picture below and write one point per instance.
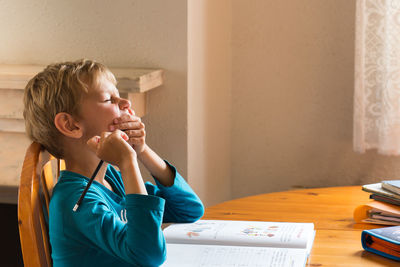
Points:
(385, 207)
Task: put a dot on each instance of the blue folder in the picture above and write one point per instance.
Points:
(383, 241)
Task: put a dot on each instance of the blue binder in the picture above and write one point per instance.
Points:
(383, 241)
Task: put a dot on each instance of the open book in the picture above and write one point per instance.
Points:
(238, 243)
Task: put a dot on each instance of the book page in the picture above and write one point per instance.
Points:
(232, 256)
(242, 233)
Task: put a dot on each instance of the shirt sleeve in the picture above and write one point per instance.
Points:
(139, 241)
(182, 205)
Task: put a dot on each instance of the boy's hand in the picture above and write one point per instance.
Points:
(133, 127)
(112, 147)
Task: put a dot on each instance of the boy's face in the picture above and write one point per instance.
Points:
(100, 107)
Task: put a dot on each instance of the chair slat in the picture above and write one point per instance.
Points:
(33, 199)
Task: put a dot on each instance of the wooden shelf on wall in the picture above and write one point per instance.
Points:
(129, 79)
(132, 83)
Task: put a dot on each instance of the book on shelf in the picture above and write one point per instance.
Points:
(392, 186)
(377, 212)
(238, 243)
(383, 241)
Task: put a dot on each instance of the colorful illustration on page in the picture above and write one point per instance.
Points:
(197, 229)
(258, 231)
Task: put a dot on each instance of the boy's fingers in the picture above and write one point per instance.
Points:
(104, 135)
(127, 125)
(124, 136)
(121, 134)
(93, 142)
(136, 141)
(126, 117)
(135, 133)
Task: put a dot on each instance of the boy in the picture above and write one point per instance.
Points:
(74, 110)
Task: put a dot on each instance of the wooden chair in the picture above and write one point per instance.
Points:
(36, 185)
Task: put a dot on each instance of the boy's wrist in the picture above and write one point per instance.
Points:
(143, 151)
(127, 166)
(132, 177)
(128, 161)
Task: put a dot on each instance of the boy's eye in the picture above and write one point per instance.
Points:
(111, 99)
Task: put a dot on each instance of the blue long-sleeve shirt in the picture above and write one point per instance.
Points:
(111, 228)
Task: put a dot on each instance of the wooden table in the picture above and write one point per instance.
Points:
(337, 241)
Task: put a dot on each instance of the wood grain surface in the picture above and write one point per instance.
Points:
(338, 237)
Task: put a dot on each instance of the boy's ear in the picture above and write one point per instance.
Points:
(67, 125)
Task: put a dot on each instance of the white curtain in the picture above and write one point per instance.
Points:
(377, 77)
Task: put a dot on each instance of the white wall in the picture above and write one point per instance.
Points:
(292, 98)
(209, 89)
(151, 34)
(119, 33)
(264, 104)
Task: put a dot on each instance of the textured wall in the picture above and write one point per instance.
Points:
(209, 88)
(121, 33)
(293, 65)
(289, 65)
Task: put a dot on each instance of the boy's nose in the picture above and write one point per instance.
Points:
(124, 104)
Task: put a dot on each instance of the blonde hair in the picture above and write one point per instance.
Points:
(58, 88)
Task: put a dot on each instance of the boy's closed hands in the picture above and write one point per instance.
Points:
(134, 128)
(111, 147)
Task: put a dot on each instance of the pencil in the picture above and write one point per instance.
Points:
(87, 186)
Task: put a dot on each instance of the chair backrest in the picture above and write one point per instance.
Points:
(36, 185)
